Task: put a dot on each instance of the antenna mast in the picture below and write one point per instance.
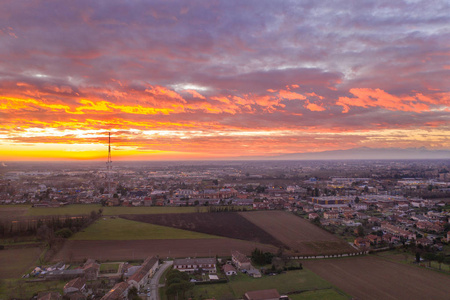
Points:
(109, 164)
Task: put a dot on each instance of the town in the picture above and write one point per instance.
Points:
(368, 206)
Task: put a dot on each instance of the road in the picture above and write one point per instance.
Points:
(154, 283)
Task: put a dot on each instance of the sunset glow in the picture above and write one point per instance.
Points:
(221, 80)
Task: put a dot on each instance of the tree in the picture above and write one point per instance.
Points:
(357, 200)
(417, 257)
(133, 294)
(360, 231)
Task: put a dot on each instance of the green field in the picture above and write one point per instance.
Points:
(298, 280)
(121, 229)
(79, 209)
(20, 289)
(15, 262)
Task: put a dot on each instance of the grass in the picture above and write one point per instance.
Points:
(80, 209)
(326, 294)
(121, 229)
(20, 289)
(109, 267)
(15, 262)
(291, 281)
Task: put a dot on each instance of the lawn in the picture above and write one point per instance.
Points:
(15, 262)
(121, 229)
(109, 267)
(81, 209)
(291, 281)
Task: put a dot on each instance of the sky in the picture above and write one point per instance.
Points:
(221, 79)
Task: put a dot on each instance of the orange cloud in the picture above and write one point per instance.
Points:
(291, 95)
(314, 107)
(365, 97)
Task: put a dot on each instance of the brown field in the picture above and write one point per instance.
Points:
(302, 237)
(12, 211)
(370, 277)
(74, 250)
(229, 224)
(15, 262)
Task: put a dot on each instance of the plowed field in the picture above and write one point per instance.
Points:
(302, 237)
(231, 225)
(140, 249)
(369, 277)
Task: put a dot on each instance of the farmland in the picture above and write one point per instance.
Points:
(370, 277)
(230, 224)
(15, 262)
(107, 210)
(78, 250)
(121, 229)
(298, 234)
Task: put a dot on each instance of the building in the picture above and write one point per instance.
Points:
(331, 215)
(75, 285)
(146, 271)
(64, 274)
(118, 292)
(191, 265)
(240, 260)
(229, 270)
(91, 269)
(262, 295)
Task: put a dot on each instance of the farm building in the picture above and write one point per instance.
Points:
(146, 271)
(119, 291)
(229, 270)
(240, 260)
(262, 295)
(91, 269)
(75, 285)
(64, 274)
(191, 265)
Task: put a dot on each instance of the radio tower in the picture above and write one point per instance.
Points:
(109, 164)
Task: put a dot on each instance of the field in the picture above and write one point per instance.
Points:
(229, 224)
(371, 277)
(15, 262)
(325, 294)
(121, 229)
(302, 237)
(108, 211)
(78, 250)
(12, 211)
(20, 289)
(292, 281)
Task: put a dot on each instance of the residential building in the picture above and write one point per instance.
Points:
(191, 265)
(240, 260)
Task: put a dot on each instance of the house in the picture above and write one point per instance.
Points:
(229, 270)
(262, 295)
(91, 269)
(362, 242)
(141, 276)
(374, 239)
(424, 242)
(75, 285)
(49, 296)
(313, 216)
(119, 291)
(240, 260)
(331, 215)
(190, 265)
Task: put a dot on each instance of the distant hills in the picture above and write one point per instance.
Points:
(367, 153)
